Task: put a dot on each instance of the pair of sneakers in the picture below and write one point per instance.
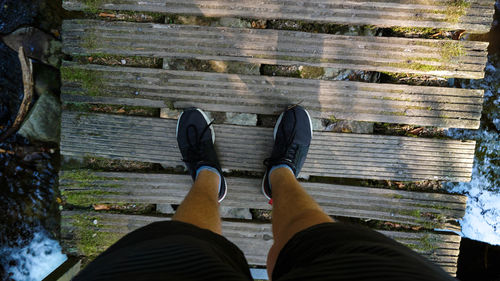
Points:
(292, 137)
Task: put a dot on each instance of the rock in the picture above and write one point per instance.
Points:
(37, 45)
(311, 72)
(317, 124)
(244, 119)
(44, 120)
(235, 67)
(192, 20)
(46, 79)
(331, 73)
(170, 113)
(235, 213)
(165, 209)
(348, 126)
(234, 22)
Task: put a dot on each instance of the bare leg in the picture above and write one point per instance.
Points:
(200, 207)
(293, 211)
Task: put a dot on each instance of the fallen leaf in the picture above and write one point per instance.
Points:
(458, 34)
(107, 15)
(101, 207)
(56, 33)
(416, 131)
(6, 151)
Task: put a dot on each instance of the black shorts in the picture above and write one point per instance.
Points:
(174, 250)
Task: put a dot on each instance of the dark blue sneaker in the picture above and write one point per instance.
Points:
(292, 137)
(196, 138)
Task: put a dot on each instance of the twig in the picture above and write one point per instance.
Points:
(7, 151)
(27, 68)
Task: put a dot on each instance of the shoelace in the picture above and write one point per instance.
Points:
(195, 151)
(290, 153)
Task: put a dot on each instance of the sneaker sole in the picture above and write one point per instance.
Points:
(225, 190)
(206, 119)
(278, 122)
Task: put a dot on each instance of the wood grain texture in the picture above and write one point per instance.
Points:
(474, 16)
(428, 210)
(243, 148)
(462, 59)
(425, 106)
(252, 238)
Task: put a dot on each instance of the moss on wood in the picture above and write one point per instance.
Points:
(88, 79)
(87, 197)
(455, 9)
(89, 241)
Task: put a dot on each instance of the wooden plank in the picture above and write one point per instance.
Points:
(474, 16)
(244, 149)
(426, 106)
(462, 59)
(428, 210)
(252, 238)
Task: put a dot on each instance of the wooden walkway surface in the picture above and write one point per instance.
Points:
(97, 73)
(443, 14)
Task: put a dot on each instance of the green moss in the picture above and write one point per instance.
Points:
(397, 196)
(455, 9)
(413, 213)
(89, 241)
(92, 6)
(90, 41)
(86, 197)
(392, 113)
(311, 72)
(414, 30)
(85, 178)
(451, 49)
(88, 79)
(394, 99)
(333, 119)
(417, 66)
(427, 244)
(420, 107)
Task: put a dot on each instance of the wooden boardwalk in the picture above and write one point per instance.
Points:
(126, 63)
(473, 15)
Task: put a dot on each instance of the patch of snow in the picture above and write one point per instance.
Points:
(34, 261)
(482, 219)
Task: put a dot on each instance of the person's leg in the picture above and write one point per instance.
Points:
(196, 138)
(293, 210)
(200, 207)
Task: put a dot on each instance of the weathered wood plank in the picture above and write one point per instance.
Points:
(475, 16)
(254, 239)
(245, 148)
(429, 210)
(426, 106)
(463, 59)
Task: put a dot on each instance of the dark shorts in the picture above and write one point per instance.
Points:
(331, 251)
